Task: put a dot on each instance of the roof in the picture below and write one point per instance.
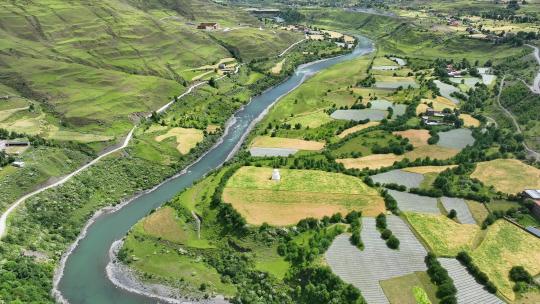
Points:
(533, 230)
(534, 194)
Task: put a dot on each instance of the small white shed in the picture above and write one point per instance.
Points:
(276, 175)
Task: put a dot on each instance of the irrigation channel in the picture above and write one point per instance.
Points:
(84, 280)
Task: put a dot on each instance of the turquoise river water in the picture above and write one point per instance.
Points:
(85, 280)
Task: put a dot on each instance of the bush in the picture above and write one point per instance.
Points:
(392, 242)
(386, 234)
(520, 274)
(381, 221)
(446, 291)
(452, 214)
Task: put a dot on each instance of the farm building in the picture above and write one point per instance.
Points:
(434, 118)
(208, 26)
(534, 194)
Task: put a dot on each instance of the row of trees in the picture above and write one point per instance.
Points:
(446, 290)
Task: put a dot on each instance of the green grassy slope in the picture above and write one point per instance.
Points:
(96, 64)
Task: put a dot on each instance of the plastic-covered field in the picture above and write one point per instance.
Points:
(262, 152)
(464, 215)
(395, 84)
(456, 139)
(400, 177)
(468, 290)
(414, 202)
(446, 90)
(357, 115)
(364, 269)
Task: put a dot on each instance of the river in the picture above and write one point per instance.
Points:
(84, 278)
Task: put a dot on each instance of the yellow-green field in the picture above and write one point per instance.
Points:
(290, 143)
(358, 128)
(507, 175)
(299, 194)
(376, 161)
(444, 236)
(186, 138)
(503, 247)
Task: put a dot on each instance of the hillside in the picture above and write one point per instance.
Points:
(90, 67)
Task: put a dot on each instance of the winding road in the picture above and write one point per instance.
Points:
(5, 215)
(535, 88)
(530, 151)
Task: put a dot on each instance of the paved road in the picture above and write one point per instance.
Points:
(531, 152)
(535, 88)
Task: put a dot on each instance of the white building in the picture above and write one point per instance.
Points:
(276, 175)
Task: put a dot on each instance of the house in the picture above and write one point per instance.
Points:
(534, 195)
(208, 26)
(18, 164)
(2, 145)
(434, 118)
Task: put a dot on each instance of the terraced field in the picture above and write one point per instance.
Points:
(364, 269)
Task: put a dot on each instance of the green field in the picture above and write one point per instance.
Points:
(401, 290)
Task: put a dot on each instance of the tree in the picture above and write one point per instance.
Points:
(452, 214)
(212, 82)
(381, 221)
(520, 274)
(392, 242)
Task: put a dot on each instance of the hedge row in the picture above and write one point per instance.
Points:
(480, 276)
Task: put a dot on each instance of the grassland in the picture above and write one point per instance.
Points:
(299, 194)
(290, 143)
(186, 138)
(442, 235)
(41, 165)
(357, 128)
(428, 169)
(94, 67)
(503, 247)
(401, 289)
(507, 175)
(377, 161)
(315, 95)
(416, 137)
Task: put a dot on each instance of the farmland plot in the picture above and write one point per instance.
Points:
(400, 177)
(262, 152)
(456, 139)
(357, 115)
(468, 290)
(446, 90)
(463, 213)
(364, 269)
(414, 202)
